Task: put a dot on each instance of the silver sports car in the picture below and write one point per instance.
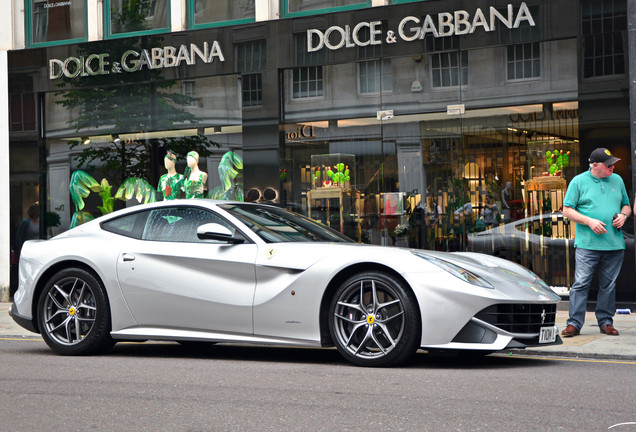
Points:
(200, 270)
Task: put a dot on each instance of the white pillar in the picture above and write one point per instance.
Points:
(95, 17)
(5, 224)
(178, 18)
(6, 43)
(267, 10)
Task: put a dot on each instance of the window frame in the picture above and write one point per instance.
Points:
(518, 38)
(382, 62)
(250, 68)
(284, 13)
(21, 97)
(28, 22)
(303, 59)
(107, 27)
(515, 61)
(602, 34)
(192, 26)
(459, 68)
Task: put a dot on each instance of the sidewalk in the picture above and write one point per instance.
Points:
(589, 344)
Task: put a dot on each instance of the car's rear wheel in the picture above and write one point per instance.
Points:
(74, 315)
(374, 320)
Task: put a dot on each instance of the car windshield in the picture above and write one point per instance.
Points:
(275, 225)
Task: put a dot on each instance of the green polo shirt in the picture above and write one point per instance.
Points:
(599, 199)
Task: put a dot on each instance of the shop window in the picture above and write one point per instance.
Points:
(523, 54)
(449, 69)
(291, 8)
(604, 24)
(206, 13)
(250, 61)
(125, 17)
(307, 77)
(22, 112)
(53, 22)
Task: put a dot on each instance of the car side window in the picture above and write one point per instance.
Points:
(179, 224)
(130, 225)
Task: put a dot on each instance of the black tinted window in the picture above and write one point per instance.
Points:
(130, 225)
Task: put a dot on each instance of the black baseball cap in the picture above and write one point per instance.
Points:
(604, 156)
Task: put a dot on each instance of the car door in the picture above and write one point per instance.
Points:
(172, 279)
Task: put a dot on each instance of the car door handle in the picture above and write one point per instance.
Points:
(128, 257)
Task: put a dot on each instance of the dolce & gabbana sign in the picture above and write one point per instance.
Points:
(411, 28)
(133, 61)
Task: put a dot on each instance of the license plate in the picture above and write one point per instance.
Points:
(547, 334)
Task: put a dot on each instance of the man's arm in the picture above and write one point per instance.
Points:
(595, 225)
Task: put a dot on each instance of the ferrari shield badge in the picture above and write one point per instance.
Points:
(271, 253)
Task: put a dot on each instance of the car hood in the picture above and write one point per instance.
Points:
(506, 276)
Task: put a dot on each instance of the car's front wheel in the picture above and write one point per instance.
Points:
(374, 320)
(74, 315)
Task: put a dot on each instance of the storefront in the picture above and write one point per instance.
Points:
(422, 124)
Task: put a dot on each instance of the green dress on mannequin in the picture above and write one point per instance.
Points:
(195, 184)
(171, 184)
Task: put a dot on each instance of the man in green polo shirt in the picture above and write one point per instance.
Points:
(597, 201)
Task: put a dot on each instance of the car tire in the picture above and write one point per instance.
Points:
(374, 320)
(74, 315)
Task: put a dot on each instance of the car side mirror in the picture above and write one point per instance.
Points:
(215, 231)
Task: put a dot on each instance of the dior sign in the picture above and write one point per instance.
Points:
(412, 28)
(133, 61)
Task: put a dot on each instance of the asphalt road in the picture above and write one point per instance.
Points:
(169, 387)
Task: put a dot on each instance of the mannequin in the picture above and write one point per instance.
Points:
(196, 181)
(506, 194)
(171, 184)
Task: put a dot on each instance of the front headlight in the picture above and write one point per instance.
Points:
(540, 281)
(457, 271)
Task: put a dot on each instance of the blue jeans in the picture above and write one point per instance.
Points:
(609, 265)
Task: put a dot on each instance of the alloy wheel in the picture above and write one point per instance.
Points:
(368, 319)
(69, 311)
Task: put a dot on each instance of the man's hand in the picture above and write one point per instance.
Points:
(619, 221)
(597, 226)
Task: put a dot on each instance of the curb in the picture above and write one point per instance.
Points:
(529, 352)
